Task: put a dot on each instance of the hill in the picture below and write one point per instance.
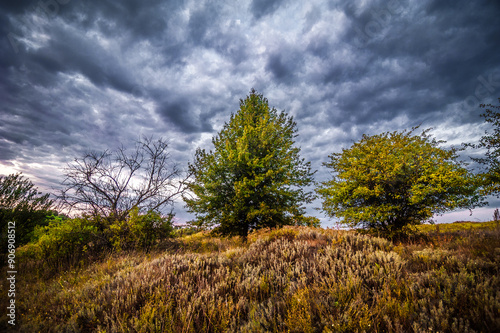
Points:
(294, 279)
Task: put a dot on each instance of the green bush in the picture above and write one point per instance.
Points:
(61, 242)
(64, 243)
(140, 231)
(22, 204)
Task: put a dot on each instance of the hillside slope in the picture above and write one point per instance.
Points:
(287, 280)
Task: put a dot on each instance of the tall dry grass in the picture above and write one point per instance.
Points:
(294, 279)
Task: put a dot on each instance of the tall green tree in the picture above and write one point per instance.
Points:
(490, 142)
(255, 176)
(392, 180)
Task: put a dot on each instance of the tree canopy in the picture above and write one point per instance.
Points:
(255, 176)
(22, 203)
(392, 180)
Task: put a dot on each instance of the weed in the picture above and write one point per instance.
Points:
(294, 279)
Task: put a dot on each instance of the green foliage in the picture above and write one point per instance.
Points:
(394, 180)
(19, 193)
(491, 142)
(63, 243)
(185, 231)
(457, 226)
(255, 177)
(308, 221)
(140, 231)
(22, 203)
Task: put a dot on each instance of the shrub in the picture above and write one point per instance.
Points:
(62, 242)
(22, 204)
(140, 231)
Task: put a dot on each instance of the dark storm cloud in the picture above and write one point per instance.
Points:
(16, 7)
(79, 75)
(262, 8)
(179, 112)
(417, 58)
(71, 54)
(282, 71)
(198, 25)
(141, 19)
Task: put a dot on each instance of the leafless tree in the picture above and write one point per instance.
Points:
(110, 184)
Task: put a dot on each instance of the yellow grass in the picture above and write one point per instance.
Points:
(295, 279)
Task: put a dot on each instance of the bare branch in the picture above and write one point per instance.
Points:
(110, 185)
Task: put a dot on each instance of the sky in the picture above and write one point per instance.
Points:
(79, 76)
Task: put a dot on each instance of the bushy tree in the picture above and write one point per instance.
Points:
(393, 180)
(22, 203)
(491, 143)
(254, 177)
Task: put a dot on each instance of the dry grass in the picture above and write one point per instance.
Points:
(288, 280)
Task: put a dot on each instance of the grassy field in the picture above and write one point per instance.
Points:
(295, 279)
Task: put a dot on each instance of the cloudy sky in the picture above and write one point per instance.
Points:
(80, 75)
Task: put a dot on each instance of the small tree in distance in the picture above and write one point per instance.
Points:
(109, 184)
(393, 180)
(490, 142)
(255, 177)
